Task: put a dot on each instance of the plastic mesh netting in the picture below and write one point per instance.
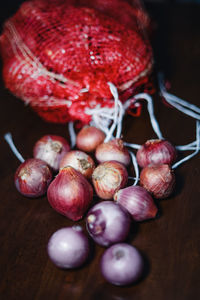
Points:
(58, 56)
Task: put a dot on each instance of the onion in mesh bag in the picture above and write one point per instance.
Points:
(59, 55)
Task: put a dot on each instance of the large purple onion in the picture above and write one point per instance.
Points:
(108, 223)
(121, 264)
(70, 194)
(68, 247)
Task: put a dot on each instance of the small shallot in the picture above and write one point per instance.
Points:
(80, 161)
(70, 194)
(88, 138)
(108, 223)
(33, 177)
(159, 180)
(113, 150)
(68, 247)
(108, 178)
(137, 201)
(51, 149)
(156, 152)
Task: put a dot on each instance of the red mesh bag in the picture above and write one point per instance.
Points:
(59, 55)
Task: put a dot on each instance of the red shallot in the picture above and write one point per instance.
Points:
(88, 138)
(70, 194)
(108, 178)
(108, 223)
(51, 149)
(156, 151)
(68, 247)
(122, 264)
(113, 150)
(137, 201)
(33, 177)
(80, 161)
(159, 180)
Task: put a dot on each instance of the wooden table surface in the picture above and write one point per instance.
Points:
(170, 244)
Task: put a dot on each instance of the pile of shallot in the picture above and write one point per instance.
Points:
(100, 168)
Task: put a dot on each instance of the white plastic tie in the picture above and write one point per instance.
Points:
(136, 168)
(180, 104)
(150, 108)
(133, 146)
(72, 134)
(195, 152)
(9, 140)
(109, 119)
(114, 92)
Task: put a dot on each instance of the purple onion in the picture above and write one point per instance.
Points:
(137, 201)
(121, 264)
(51, 149)
(113, 150)
(33, 177)
(159, 180)
(108, 223)
(70, 194)
(155, 152)
(68, 247)
(108, 177)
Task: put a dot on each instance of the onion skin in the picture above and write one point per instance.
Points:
(156, 152)
(32, 178)
(68, 247)
(113, 150)
(70, 194)
(159, 180)
(88, 138)
(108, 178)
(80, 161)
(138, 202)
(108, 223)
(51, 149)
(121, 264)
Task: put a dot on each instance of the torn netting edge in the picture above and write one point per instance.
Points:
(110, 120)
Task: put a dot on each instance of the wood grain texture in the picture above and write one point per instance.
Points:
(170, 244)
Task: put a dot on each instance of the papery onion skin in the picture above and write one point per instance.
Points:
(137, 201)
(68, 247)
(70, 194)
(51, 149)
(32, 178)
(159, 180)
(108, 223)
(108, 177)
(121, 264)
(113, 150)
(88, 138)
(80, 161)
(156, 152)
